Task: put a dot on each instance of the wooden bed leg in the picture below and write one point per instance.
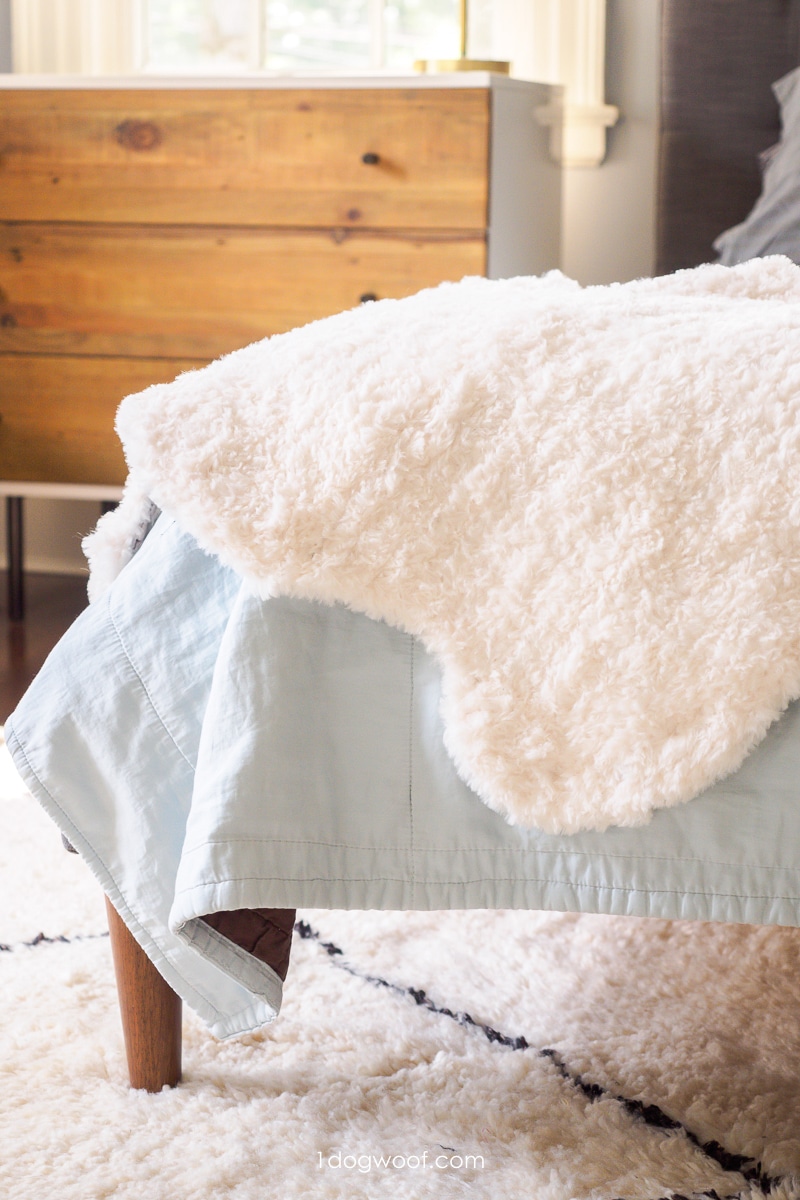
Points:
(150, 1011)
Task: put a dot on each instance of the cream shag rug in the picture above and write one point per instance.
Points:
(577, 1057)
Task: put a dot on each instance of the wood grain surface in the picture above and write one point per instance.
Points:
(200, 292)
(57, 414)
(144, 231)
(247, 156)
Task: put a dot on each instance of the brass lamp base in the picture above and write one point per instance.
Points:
(433, 66)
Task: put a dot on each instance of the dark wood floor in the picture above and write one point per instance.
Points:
(52, 604)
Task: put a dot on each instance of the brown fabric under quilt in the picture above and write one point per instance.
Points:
(266, 933)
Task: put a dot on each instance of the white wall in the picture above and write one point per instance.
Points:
(5, 35)
(609, 211)
(52, 534)
(608, 233)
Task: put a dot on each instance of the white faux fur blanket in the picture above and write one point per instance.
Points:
(584, 501)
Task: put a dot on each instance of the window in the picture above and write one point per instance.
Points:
(230, 36)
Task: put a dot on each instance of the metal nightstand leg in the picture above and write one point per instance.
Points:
(16, 579)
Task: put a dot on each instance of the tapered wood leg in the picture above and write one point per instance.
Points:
(150, 1011)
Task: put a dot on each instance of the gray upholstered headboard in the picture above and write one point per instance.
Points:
(719, 58)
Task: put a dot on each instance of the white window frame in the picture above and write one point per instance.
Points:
(553, 41)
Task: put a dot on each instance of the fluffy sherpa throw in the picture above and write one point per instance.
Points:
(585, 502)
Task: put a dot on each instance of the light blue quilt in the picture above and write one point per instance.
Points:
(206, 750)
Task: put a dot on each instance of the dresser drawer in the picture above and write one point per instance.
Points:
(129, 290)
(57, 414)
(247, 156)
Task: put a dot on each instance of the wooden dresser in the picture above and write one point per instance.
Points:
(147, 227)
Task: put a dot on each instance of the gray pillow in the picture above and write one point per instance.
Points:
(773, 226)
